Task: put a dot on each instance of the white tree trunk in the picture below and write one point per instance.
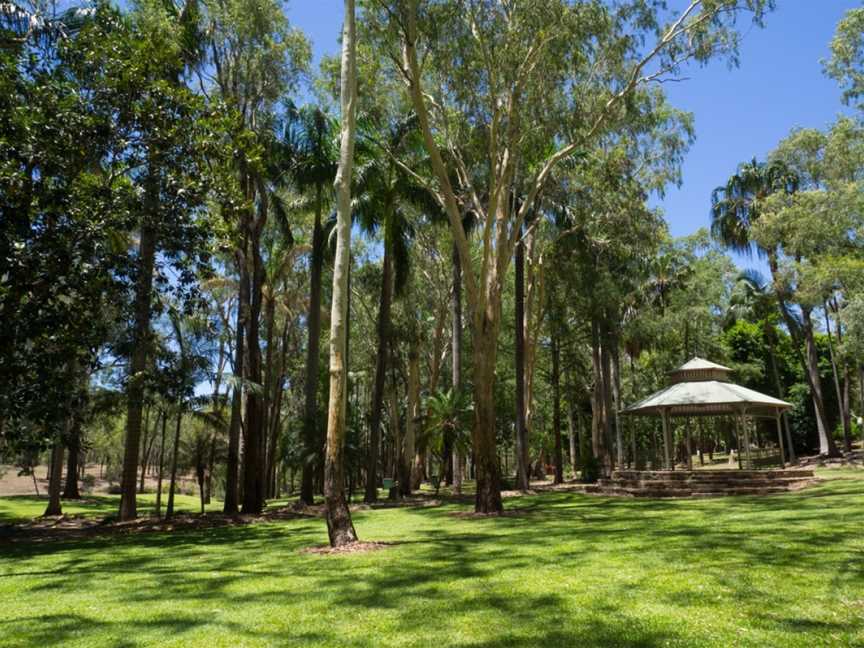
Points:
(339, 525)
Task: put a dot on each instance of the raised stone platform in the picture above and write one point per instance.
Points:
(701, 483)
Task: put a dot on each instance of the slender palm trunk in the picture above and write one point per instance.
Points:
(523, 470)
(161, 465)
(412, 418)
(384, 303)
(276, 414)
(253, 470)
(775, 371)
(145, 437)
(340, 528)
(169, 511)
(232, 500)
(556, 409)
(456, 354)
(615, 384)
(313, 347)
(269, 400)
(841, 383)
(138, 367)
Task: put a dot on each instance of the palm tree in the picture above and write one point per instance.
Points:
(386, 194)
(735, 207)
(752, 299)
(448, 423)
(311, 138)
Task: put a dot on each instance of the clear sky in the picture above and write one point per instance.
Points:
(740, 113)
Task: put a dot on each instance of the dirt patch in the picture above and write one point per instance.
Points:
(354, 547)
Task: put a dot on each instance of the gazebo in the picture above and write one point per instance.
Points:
(703, 388)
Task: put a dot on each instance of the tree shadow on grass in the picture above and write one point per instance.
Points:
(445, 573)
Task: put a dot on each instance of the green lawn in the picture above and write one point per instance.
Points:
(573, 570)
(19, 508)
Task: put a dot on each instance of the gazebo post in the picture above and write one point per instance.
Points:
(744, 422)
(780, 439)
(689, 447)
(666, 457)
(738, 439)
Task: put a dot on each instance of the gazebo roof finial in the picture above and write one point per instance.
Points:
(698, 369)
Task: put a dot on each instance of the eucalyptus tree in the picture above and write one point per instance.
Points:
(340, 528)
(846, 64)
(504, 92)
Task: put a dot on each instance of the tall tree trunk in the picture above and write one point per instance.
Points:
(841, 384)
(599, 411)
(456, 355)
(412, 418)
(169, 512)
(826, 438)
(608, 403)
(253, 470)
(383, 331)
(201, 475)
(231, 504)
(276, 413)
(802, 334)
(145, 437)
(269, 395)
(54, 480)
(138, 365)
(523, 469)
(861, 401)
(615, 359)
(574, 447)
(775, 370)
(161, 465)
(556, 409)
(488, 477)
(340, 528)
(311, 444)
(71, 491)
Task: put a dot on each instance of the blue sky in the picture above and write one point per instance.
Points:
(740, 113)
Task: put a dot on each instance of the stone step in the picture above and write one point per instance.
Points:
(784, 482)
(709, 475)
(683, 492)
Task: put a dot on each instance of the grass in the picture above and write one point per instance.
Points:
(571, 570)
(20, 508)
